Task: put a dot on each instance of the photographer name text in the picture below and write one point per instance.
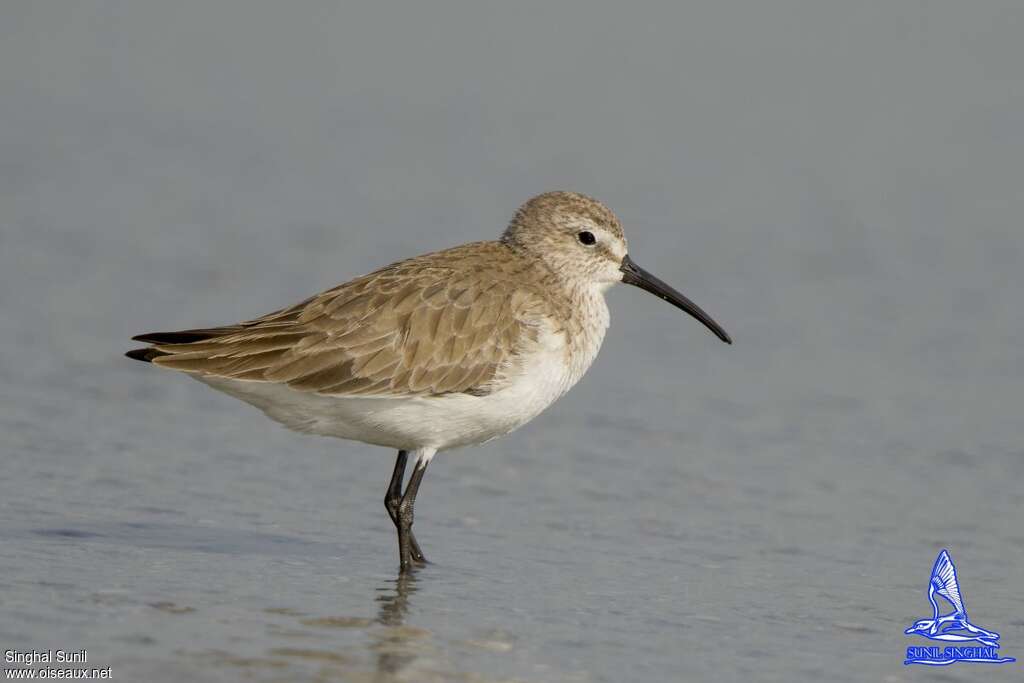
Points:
(30, 657)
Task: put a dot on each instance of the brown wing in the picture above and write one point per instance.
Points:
(442, 323)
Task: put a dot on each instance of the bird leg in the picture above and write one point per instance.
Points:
(393, 500)
(408, 549)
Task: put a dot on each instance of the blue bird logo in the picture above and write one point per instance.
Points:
(953, 627)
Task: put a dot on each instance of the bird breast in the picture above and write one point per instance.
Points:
(562, 352)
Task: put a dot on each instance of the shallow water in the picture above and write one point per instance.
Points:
(839, 187)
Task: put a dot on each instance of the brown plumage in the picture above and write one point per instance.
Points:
(446, 322)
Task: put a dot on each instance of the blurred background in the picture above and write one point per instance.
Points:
(839, 184)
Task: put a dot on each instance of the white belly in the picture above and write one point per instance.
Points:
(427, 422)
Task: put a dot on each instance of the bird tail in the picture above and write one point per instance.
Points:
(147, 354)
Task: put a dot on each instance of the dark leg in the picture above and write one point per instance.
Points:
(406, 541)
(392, 501)
(394, 494)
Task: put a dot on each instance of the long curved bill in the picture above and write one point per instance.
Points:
(632, 274)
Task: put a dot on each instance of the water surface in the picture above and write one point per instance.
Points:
(839, 186)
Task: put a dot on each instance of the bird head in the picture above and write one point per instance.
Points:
(580, 239)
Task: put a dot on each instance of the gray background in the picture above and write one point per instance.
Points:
(838, 183)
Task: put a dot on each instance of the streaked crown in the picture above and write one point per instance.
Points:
(578, 236)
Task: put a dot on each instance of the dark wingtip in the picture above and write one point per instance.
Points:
(183, 337)
(145, 355)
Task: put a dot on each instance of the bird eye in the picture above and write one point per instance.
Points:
(586, 237)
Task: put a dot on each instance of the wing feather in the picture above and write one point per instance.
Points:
(449, 322)
(945, 581)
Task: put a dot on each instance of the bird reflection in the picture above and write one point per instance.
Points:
(395, 646)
